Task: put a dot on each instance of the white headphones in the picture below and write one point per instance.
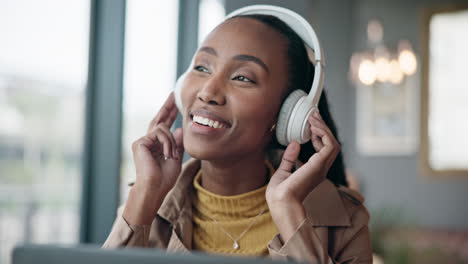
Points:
(292, 122)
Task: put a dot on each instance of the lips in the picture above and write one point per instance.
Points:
(209, 119)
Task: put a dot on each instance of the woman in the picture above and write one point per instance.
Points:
(230, 199)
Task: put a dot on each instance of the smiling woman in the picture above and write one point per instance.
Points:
(243, 193)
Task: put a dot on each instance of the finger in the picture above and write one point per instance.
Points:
(167, 122)
(316, 116)
(162, 129)
(164, 112)
(159, 137)
(171, 117)
(144, 150)
(314, 121)
(169, 135)
(326, 137)
(287, 163)
(290, 156)
(316, 140)
(321, 123)
(325, 153)
(143, 145)
(328, 153)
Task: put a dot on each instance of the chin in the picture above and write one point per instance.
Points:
(200, 152)
(201, 149)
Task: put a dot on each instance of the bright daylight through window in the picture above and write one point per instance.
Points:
(43, 72)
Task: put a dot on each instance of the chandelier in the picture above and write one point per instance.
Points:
(380, 64)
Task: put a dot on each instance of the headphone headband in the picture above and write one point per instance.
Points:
(305, 31)
(294, 21)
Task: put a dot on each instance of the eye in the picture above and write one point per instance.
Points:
(242, 79)
(201, 69)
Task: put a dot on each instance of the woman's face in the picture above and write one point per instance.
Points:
(233, 91)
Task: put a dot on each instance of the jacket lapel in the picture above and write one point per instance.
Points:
(324, 206)
(176, 245)
(177, 208)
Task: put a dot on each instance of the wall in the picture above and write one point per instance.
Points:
(398, 181)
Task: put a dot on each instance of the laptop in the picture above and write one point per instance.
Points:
(88, 254)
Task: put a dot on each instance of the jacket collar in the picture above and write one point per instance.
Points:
(178, 200)
(324, 206)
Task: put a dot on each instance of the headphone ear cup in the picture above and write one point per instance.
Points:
(178, 92)
(285, 116)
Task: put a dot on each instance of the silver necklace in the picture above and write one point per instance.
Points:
(235, 244)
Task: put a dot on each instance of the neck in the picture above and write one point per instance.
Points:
(234, 177)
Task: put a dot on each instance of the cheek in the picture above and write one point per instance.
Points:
(255, 118)
(188, 93)
(262, 107)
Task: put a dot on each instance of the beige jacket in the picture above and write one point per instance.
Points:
(335, 230)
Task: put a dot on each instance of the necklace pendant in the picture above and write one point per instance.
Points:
(235, 245)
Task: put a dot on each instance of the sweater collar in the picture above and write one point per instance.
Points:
(227, 207)
(324, 205)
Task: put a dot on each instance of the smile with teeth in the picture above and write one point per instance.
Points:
(208, 122)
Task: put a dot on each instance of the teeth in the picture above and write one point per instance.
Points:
(207, 122)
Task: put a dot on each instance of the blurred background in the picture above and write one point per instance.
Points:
(80, 81)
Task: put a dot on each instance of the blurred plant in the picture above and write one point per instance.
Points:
(383, 220)
(398, 239)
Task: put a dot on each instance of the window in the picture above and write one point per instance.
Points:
(149, 71)
(211, 13)
(43, 73)
(445, 94)
(150, 66)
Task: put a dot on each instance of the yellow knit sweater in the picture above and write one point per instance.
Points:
(234, 214)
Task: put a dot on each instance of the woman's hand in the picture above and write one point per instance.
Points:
(158, 158)
(286, 191)
(158, 154)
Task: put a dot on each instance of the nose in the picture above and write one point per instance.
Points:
(212, 92)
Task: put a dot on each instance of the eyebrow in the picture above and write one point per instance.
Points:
(209, 50)
(240, 57)
(253, 59)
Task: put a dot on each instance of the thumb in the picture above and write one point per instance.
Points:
(290, 156)
(287, 163)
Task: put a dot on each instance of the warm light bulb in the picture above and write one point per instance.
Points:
(407, 61)
(383, 69)
(396, 76)
(367, 72)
